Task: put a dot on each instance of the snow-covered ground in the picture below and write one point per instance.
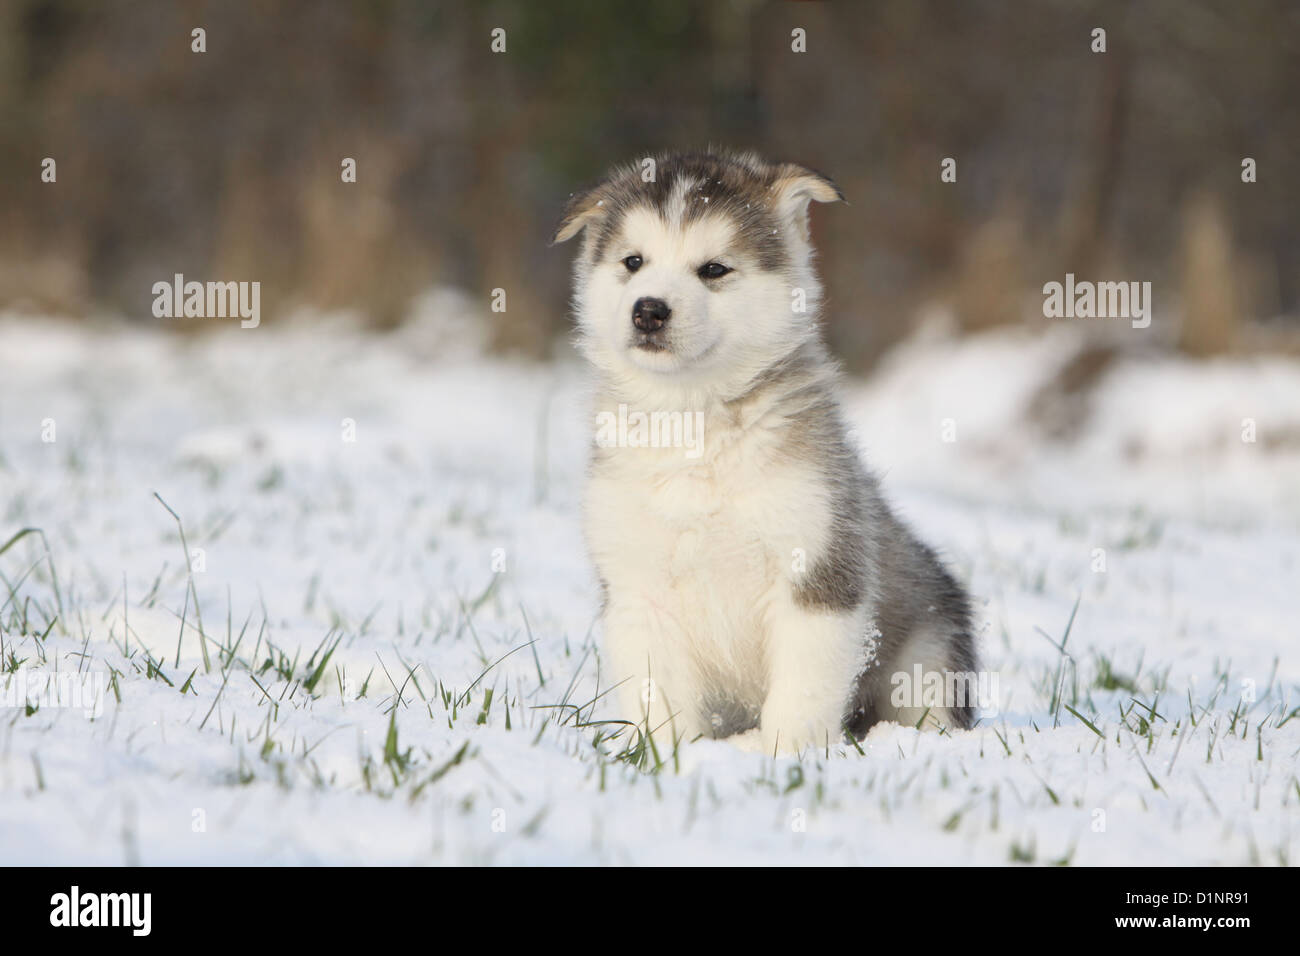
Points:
(380, 525)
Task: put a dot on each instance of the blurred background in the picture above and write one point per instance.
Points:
(226, 165)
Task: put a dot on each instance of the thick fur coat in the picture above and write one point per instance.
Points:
(755, 582)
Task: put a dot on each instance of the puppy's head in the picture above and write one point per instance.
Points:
(696, 267)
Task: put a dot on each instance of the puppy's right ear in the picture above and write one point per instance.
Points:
(582, 209)
(797, 186)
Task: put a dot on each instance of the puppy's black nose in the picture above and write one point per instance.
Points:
(649, 315)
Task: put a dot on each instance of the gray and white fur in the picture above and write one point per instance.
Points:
(756, 584)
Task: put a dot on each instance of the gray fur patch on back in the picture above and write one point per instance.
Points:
(837, 579)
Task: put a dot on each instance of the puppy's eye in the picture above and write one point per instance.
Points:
(633, 263)
(713, 270)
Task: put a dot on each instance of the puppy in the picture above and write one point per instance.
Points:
(754, 580)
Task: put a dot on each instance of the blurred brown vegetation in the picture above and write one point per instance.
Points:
(225, 165)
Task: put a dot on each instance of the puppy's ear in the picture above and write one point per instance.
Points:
(581, 209)
(795, 187)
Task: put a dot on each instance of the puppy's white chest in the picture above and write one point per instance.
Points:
(692, 536)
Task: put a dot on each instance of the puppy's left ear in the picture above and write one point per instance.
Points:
(582, 209)
(795, 187)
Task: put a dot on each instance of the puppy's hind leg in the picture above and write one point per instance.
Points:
(931, 680)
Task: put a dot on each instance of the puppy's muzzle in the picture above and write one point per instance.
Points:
(649, 315)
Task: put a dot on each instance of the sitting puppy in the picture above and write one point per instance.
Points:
(754, 579)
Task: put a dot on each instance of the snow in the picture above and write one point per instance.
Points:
(428, 553)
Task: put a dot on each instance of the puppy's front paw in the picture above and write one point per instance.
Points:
(751, 741)
(791, 731)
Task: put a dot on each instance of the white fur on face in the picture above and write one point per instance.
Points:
(721, 332)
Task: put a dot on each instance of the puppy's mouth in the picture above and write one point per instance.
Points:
(657, 352)
(650, 342)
